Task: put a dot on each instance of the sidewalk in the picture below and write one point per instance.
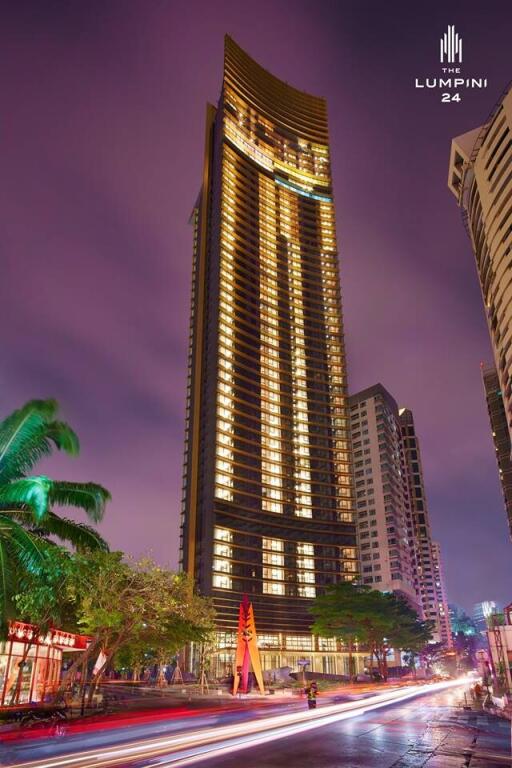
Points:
(463, 737)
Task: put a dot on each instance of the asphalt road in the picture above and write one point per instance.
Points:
(427, 732)
(398, 729)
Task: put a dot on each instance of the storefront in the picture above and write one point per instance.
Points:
(31, 662)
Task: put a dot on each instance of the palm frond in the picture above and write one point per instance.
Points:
(22, 438)
(64, 437)
(29, 548)
(81, 536)
(29, 492)
(87, 496)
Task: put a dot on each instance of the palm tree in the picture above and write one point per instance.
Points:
(28, 524)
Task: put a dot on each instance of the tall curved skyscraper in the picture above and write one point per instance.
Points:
(268, 501)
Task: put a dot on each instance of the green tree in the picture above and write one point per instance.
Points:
(336, 614)
(28, 523)
(377, 620)
(134, 608)
(42, 599)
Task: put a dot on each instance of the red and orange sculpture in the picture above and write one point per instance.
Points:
(247, 650)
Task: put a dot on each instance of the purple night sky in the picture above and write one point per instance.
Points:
(102, 129)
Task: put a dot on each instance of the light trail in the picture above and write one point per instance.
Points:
(193, 746)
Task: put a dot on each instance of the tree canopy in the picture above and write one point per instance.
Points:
(374, 619)
(134, 608)
(29, 525)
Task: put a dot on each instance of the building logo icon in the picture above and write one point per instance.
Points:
(451, 47)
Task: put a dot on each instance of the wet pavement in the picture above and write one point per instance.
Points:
(429, 732)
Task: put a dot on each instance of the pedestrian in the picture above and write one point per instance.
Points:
(311, 693)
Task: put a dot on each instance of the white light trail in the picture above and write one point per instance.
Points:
(193, 746)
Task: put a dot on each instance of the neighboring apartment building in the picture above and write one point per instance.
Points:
(428, 572)
(387, 560)
(396, 550)
(500, 435)
(441, 597)
(480, 177)
(268, 496)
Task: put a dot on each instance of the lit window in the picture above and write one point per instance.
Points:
(222, 534)
(223, 493)
(224, 550)
(307, 591)
(221, 581)
(273, 558)
(225, 639)
(299, 642)
(273, 588)
(276, 574)
(277, 545)
(268, 641)
(224, 566)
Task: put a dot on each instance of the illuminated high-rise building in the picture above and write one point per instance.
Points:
(429, 570)
(443, 611)
(386, 550)
(268, 500)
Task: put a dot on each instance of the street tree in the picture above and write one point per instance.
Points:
(377, 620)
(336, 614)
(137, 605)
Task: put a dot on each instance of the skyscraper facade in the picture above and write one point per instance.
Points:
(428, 562)
(500, 435)
(386, 550)
(480, 177)
(443, 611)
(268, 497)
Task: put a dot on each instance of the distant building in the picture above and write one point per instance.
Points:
(442, 600)
(500, 435)
(396, 552)
(428, 563)
(482, 613)
(454, 612)
(387, 559)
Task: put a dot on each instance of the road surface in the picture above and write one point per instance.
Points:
(408, 728)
